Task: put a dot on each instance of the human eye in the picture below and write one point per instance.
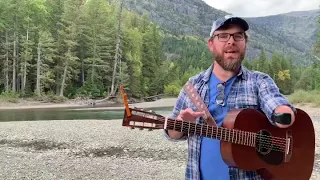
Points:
(239, 35)
(224, 36)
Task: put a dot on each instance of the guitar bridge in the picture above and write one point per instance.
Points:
(288, 148)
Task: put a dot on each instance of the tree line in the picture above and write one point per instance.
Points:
(88, 48)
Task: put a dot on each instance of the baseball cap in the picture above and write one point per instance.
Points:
(226, 20)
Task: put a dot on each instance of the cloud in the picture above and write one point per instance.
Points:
(254, 8)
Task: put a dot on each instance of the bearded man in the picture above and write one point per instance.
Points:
(226, 85)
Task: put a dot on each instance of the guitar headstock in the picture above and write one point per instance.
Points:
(138, 118)
(142, 119)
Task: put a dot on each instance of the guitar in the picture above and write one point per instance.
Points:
(248, 140)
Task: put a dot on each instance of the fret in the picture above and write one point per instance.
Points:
(229, 139)
(207, 131)
(253, 140)
(225, 134)
(243, 138)
(247, 139)
(182, 126)
(236, 138)
(174, 125)
(195, 129)
(201, 129)
(221, 135)
(240, 137)
(217, 132)
(212, 132)
(189, 127)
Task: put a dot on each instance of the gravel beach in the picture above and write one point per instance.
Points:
(93, 149)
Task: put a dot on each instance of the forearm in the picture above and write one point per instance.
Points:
(272, 101)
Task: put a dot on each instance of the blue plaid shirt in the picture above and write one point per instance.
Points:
(251, 89)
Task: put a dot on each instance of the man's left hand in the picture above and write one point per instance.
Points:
(282, 121)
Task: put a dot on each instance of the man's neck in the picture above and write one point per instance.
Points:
(222, 74)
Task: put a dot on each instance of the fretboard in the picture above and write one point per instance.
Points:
(220, 133)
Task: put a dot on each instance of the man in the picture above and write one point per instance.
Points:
(225, 85)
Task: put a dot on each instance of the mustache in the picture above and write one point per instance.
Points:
(231, 48)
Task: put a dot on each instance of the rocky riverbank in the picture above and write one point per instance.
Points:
(92, 149)
(97, 149)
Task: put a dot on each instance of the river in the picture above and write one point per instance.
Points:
(68, 114)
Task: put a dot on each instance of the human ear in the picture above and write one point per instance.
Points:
(210, 44)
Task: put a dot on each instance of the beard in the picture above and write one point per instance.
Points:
(229, 64)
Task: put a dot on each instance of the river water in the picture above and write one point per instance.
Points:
(68, 114)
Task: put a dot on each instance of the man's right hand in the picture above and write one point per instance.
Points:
(187, 115)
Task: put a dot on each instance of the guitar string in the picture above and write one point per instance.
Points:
(263, 138)
(278, 139)
(162, 119)
(243, 141)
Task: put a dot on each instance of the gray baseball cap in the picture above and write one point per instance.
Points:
(226, 20)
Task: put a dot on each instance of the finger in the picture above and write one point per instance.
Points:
(188, 110)
(198, 114)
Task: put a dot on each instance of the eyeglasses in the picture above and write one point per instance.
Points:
(224, 37)
(220, 97)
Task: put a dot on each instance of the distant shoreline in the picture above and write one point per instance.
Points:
(165, 102)
(312, 110)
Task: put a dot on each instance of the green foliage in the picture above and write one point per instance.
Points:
(9, 97)
(69, 47)
(301, 96)
(88, 90)
(172, 89)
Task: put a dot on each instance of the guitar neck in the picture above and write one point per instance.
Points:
(220, 133)
(143, 119)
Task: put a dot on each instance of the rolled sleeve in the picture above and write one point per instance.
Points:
(270, 97)
(180, 105)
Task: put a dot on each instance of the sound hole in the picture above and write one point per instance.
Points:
(271, 151)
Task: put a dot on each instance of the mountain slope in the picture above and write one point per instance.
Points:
(195, 17)
(297, 27)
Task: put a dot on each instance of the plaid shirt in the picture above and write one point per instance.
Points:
(251, 89)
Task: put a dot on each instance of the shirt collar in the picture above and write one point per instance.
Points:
(243, 73)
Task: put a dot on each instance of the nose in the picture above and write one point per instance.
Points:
(231, 40)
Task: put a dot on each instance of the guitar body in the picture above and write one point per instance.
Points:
(269, 156)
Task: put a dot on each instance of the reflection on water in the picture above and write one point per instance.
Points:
(68, 114)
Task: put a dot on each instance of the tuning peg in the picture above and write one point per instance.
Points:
(131, 127)
(140, 128)
(150, 129)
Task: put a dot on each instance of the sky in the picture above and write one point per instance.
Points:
(255, 8)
